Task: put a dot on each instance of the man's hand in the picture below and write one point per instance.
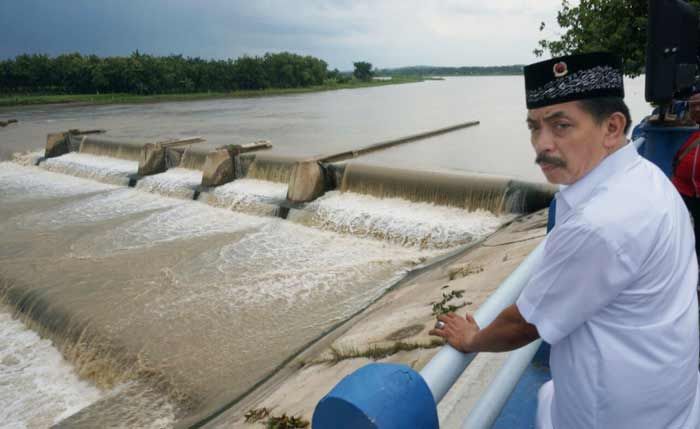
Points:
(508, 331)
(459, 332)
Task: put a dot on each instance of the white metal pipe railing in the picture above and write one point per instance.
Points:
(490, 404)
(448, 364)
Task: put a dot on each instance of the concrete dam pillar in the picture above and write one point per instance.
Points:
(154, 156)
(219, 168)
(56, 145)
(152, 159)
(308, 182)
(220, 165)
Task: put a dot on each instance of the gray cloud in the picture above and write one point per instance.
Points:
(387, 33)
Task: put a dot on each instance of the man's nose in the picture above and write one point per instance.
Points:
(542, 141)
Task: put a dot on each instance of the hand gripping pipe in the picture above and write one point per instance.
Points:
(448, 364)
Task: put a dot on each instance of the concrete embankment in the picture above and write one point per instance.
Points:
(394, 329)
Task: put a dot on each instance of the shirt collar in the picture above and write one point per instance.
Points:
(569, 197)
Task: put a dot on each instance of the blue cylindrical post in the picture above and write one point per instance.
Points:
(378, 396)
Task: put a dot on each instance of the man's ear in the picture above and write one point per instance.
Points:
(614, 130)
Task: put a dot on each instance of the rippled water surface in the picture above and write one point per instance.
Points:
(327, 122)
(199, 300)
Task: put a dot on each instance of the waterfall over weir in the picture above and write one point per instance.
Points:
(273, 168)
(465, 191)
(100, 146)
(192, 158)
(173, 308)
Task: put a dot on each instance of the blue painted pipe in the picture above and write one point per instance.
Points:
(378, 396)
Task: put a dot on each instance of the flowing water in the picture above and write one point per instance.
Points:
(165, 309)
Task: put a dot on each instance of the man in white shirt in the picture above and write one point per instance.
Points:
(614, 294)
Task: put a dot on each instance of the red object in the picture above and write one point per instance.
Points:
(686, 176)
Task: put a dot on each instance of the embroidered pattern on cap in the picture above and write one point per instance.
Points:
(600, 77)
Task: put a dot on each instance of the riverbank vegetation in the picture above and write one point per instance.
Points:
(122, 98)
(453, 71)
(143, 74)
(70, 78)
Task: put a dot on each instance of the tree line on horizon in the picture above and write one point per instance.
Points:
(452, 71)
(145, 74)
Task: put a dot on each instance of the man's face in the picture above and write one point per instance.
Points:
(694, 108)
(567, 140)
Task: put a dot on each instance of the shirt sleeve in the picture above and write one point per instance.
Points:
(580, 273)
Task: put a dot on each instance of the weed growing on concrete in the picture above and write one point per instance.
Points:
(256, 414)
(405, 332)
(286, 422)
(443, 307)
(376, 352)
(275, 422)
(465, 270)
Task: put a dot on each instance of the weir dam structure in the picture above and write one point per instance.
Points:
(175, 278)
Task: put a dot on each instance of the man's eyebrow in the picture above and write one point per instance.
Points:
(555, 115)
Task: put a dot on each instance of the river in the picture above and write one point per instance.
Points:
(327, 122)
(158, 310)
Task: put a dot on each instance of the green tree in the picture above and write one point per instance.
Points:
(99, 80)
(363, 71)
(618, 26)
(146, 74)
(250, 73)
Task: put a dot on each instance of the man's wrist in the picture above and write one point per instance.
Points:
(469, 345)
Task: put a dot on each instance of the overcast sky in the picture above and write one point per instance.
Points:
(387, 33)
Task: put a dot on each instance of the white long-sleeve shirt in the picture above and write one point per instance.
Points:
(615, 297)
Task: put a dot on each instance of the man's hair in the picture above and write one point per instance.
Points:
(602, 107)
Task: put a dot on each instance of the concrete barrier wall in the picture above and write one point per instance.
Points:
(273, 168)
(468, 191)
(192, 157)
(122, 149)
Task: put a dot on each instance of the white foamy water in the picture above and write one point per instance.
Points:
(290, 263)
(102, 168)
(103, 206)
(173, 279)
(28, 158)
(242, 189)
(182, 221)
(399, 221)
(38, 388)
(21, 182)
(176, 182)
(247, 195)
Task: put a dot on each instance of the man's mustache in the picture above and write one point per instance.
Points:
(543, 158)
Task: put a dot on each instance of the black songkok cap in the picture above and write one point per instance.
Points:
(573, 77)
